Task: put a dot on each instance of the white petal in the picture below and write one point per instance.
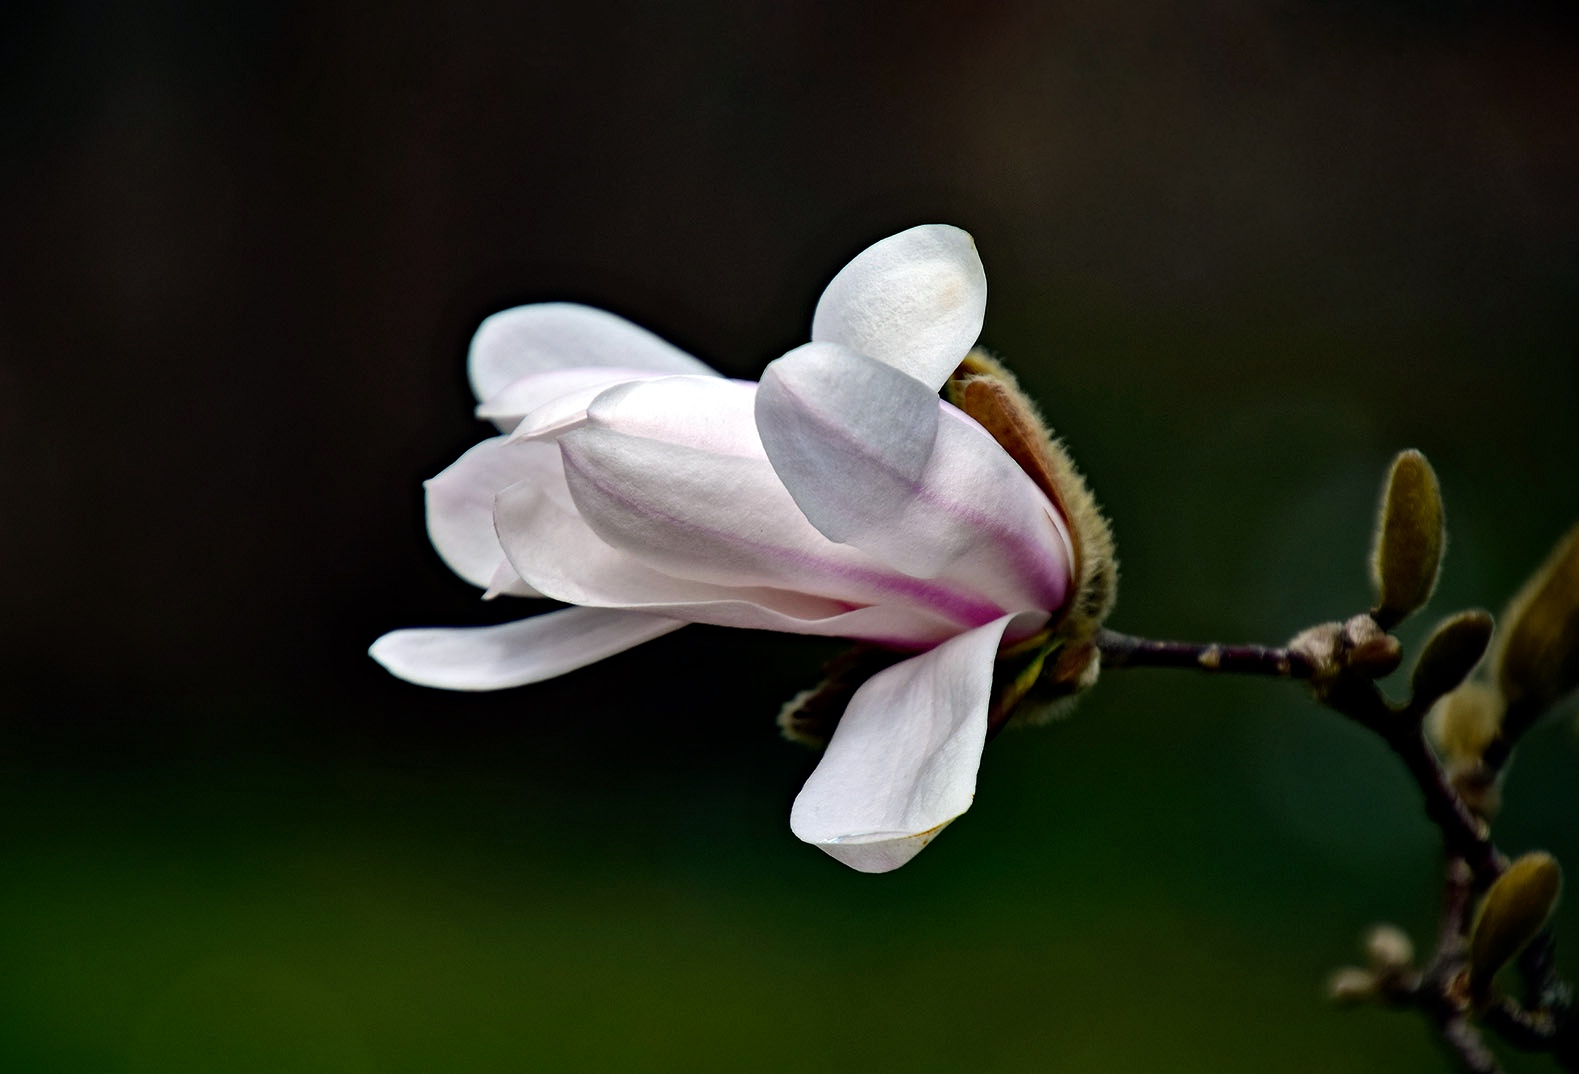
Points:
(710, 412)
(727, 520)
(460, 503)
(909, 480)
(507, 583)
(849, 436)
(536, 393)
(566, 560)
(563, 335)
(514, 654)
(554, 416)
(976, 518)
(902, 762)
(914, 301)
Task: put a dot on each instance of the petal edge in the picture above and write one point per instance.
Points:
(564, 335)
(514, 654)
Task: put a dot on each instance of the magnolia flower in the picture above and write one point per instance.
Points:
(840, 496)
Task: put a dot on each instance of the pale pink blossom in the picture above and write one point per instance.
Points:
(840, 496)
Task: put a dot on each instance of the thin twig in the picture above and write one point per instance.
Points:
(1458, 900)
(1463, 833)
(1464, 1042)
(1474, 862)
(1125, 650)
(1520, 1027)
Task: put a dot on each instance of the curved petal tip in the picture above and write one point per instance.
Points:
(902, 763)
(880, 852)
(915, 301)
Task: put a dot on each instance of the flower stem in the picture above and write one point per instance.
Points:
(1348, 687)
(1357, 698)
(1471, 1052)
(1463, 834)
(1127, 651)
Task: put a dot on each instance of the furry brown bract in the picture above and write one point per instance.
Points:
(990, 394)
(984, 389)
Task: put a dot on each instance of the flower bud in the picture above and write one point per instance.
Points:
(1465, 721)
(1389, 949)
(1333, 650)
(1368, 649)
(1513, 913)
(1410, 534)
(1479, 785)
(1537, 659)
(1350, 985)
(1450, 654)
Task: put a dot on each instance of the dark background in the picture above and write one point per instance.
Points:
(1242, 253)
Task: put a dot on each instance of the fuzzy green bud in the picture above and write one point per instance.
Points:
(1513, 913)
(1410, 534)
(1449, 655)
(1466, 721)
(1537, 661)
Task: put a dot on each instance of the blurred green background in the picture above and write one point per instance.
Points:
(1242, 252)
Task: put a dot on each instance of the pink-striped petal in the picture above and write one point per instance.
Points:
(561, 556)
(691, 513)
(875, 460)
